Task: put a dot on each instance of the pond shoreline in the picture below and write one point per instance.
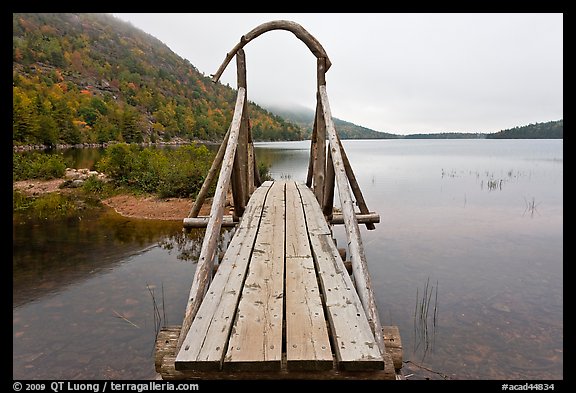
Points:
(149, 207)
(174, 142)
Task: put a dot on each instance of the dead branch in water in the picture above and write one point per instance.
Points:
(118, 315)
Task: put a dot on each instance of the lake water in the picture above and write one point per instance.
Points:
(467, 261)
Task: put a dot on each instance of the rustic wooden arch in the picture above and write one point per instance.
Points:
(300, 32)
(328, 168)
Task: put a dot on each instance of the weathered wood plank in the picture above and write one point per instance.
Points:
(307, 341)
(355, 346)
(168, 372)
(205, 343)
(357, 256)
(203, 272)
(256, 339)
(362, 218)
(202, 222)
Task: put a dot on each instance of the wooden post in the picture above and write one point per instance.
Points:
(203, 274)
(241, 69)
(253, 177)
(166, 340)
(257, 180)
(319, 157)
(354, 184)
(240, 171)
(393, 344)
(328, 204)
(245, 141)
(253, 174)
(251, 167)
(320, 160)
(312, 159)
(237, 186)
(357, 256)
(210, 177)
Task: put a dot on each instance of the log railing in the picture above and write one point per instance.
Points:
(355, 247)
(203, 273)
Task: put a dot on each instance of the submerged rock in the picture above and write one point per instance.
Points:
(501, 307)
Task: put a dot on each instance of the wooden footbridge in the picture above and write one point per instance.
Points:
(281, 302)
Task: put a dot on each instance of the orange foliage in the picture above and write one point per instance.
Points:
(45, 29)
(27, 25)
(76, 60)
(80, 124)
(18, 54)
(59, 75)
(202, 87)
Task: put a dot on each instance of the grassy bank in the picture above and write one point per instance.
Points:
(129, 169)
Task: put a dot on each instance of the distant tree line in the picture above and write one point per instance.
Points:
(447, 135)
(548, 130)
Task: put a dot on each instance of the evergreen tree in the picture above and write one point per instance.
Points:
(130, 131)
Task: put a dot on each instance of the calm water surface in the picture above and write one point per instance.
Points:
(467, 260)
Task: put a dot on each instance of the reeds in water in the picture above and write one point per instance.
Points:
(425, 318)
(531, 207)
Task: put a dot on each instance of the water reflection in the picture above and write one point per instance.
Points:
(51, 254)
(82, 304)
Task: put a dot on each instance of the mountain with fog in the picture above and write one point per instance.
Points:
(92, 78)
(304, 118)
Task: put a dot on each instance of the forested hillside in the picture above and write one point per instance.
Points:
(547, 130)
(92, 78)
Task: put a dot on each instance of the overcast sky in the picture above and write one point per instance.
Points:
(398, 73)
